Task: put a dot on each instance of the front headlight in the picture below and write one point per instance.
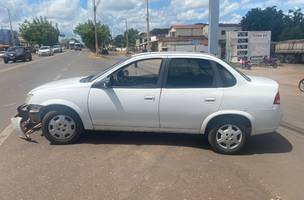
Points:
(28, 97)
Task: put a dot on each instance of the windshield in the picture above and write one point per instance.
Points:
(56, 46)
(93, 77)
(11, 49)
(42, 48)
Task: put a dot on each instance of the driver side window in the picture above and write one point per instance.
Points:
(139, 74)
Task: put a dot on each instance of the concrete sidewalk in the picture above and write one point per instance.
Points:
(292, 99)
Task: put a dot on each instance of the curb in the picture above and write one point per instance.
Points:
(292, 127)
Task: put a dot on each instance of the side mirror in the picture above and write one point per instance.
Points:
(104, 84)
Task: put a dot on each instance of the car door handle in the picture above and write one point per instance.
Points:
(211, 99)
(149, 98)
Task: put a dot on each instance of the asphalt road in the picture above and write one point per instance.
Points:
(116, 165)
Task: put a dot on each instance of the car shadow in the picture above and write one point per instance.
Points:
(261, 144)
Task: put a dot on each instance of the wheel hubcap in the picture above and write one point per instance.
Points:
(62, 127)
(229, 137)
(302, 85)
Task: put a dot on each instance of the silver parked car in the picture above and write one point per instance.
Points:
(158, 92)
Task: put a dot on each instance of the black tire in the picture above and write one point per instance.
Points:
(5, 61)
(30, 59)
(55, 140)
(212, 136)
(301, 85)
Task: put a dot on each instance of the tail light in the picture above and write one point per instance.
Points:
(277, 99)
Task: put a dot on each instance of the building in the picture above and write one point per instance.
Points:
(223, 29)
(254, 45)
(6, 37)
(155, 35)
(184, 38)
(185, 43)
(185, 30)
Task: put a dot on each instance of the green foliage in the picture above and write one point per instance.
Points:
(294, 23)
(87, 34)
(132, 36)
(120, 40)
(283, 26)
(40, 31)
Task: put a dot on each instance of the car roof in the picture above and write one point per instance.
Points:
(174, 53)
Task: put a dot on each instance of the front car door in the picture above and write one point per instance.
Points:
(132, 100)
(189, 94)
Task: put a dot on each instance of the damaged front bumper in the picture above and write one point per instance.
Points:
(27, 121)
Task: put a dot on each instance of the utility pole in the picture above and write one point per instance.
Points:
(127, 35)
(11, 27)
(95, 25)
(148, 28)
(214, 10)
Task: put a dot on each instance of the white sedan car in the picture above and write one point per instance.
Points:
(45, 51)
(157, 92)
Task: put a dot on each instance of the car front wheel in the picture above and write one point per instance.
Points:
(61, 127)
(228, 137)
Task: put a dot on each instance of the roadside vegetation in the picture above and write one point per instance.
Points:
(284, 26)
(86, 32)
(120, 40)
(39, 31)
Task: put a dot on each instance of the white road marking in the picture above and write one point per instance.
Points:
(28, 63)
(79, 53)
(5, 133)
(69, 64)
(65, 69)
(9, 105)
(57, 77)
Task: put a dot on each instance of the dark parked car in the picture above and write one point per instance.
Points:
(104, 51)
(17, 53)
(77, 47)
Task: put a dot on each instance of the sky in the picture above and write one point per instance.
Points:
(163, 13)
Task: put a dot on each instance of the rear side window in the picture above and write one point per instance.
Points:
(190, 73)
(227, 79)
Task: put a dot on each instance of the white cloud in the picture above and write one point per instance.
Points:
(189, 4)
(296, 2)
(235, 19)
(68, 13)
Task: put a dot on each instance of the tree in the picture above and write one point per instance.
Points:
(269, 19)
(132, 36)
(294, 26)
(282, 26)
(40, 31)
(120, 40)
(86, 32)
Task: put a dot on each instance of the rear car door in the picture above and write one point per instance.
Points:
(189, 93)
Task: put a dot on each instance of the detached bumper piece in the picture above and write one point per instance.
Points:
(27, 121)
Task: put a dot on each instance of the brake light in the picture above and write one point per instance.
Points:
(277, 99)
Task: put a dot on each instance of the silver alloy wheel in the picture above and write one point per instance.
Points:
(302, 85)
(229, 136)
(62, 127)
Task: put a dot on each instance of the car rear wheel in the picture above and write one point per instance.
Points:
(228, 137)
(61, 127)
(301, 85)
(5, 61)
